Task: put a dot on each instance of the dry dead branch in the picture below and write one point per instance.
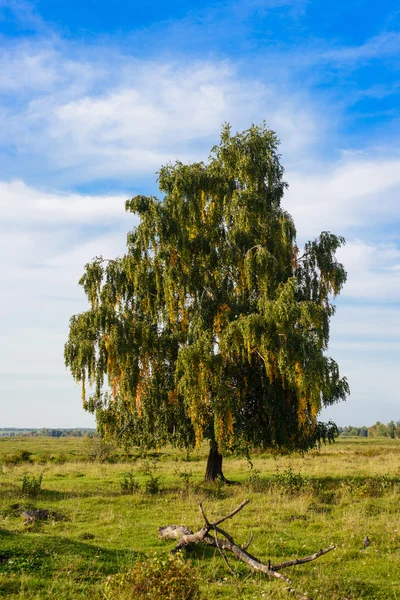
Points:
(223, 541)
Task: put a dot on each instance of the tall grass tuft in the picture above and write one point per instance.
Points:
(31, 485)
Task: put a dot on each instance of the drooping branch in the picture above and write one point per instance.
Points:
(226, 542)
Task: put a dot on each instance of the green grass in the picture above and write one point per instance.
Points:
(346, 491)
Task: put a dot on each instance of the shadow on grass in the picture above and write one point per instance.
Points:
(5, 532)
(31, 554)
(14, 492)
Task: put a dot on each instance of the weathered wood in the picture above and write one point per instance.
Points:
(173, 532)
(191, 538)
(228, 543)
(302, 561)
(249, 542)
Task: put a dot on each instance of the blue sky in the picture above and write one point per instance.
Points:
(96, 95)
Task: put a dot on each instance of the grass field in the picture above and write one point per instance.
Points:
(298, 504)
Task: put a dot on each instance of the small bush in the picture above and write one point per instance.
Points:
(128, 484)
(254, 482)
(152, 485)
(386, 482)
(43, 459)
(369, 486)
(23, 456)
(155, 579)
(214, 489)
(59, 459)
(31, 486)
(289, 481)
(185, 477)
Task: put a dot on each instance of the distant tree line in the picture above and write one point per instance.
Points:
(390, 430)
(26, 432)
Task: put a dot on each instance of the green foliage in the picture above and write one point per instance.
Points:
(213, 324)
(31, 485)
(152, 484)
(379, 430)
(370, 486)
(22, 456)
(289, 481)
(22, 564)
(128, 484)
(255, 483)
(158, 578)
(186, 477)
(216, 489)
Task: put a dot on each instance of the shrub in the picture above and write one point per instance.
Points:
(31, 486)
(22, 456)
(185, 476)
(255, 483)
(386, 482)
(290, 481)
(43, 459)
(369, 486)
(155, 578)
(59, 459)
(128, 484)
(152, 485)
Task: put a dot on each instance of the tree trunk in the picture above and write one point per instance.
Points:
(214, 464)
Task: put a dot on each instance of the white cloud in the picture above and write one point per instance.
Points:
(45, 241)
(371, 276)
(26, 72)
(368, 326)
(21, 203)
(352, 196)
(365, 343)
(116, 116)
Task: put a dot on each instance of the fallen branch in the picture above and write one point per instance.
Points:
(187, 537)
(302, 561)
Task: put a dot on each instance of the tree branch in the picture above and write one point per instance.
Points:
(249, 542)
(228, 543)
(302, 561)
(232, 514)
(222, 554)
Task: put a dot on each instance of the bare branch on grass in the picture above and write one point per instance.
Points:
(228, 543)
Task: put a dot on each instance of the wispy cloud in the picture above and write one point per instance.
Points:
(21, 204)
(25, 15)
(377, 47)
(355, 195)
(149, 113)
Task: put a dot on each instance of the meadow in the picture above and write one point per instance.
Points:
(104, 509)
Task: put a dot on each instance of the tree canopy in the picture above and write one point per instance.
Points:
(213, 324)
